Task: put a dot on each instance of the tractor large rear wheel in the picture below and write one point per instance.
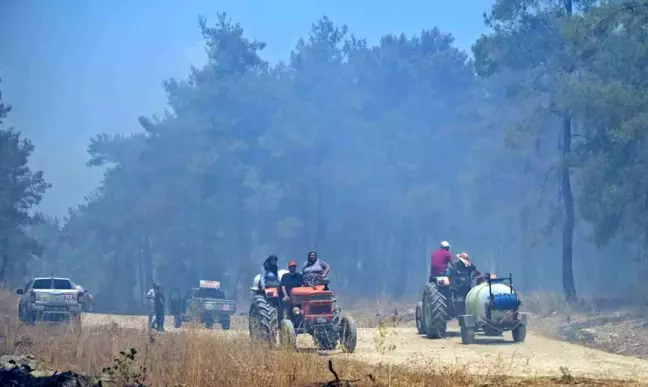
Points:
(263, 321)
(435, 312)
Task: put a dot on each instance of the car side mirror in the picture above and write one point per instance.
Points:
(20, 292)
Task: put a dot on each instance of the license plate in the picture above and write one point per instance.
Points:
(321, 320)
(226, 307)
(69, 297)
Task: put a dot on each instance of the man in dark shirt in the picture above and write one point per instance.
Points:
(159, 301)
(290, 280)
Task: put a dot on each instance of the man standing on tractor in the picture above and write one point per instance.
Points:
(315, 269)
(289, 281)
(441, 261)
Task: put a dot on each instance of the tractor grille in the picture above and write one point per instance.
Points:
(320, 309)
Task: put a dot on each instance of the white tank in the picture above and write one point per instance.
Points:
(255, 283)
(478, 297)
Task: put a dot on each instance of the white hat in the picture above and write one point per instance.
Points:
(445, 244)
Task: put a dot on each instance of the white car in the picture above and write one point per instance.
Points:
(49, 299)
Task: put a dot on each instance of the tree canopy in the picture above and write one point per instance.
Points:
(20, 190)
(372, 154)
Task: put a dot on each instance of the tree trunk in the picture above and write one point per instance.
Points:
(5, 257)
(147, 261)
(569, 225)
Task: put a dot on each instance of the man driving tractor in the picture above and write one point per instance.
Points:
(289, 281)
(315, 269)
(441, 261)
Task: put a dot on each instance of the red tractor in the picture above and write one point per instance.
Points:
(312, 310)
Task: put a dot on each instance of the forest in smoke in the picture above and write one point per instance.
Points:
(527, 153)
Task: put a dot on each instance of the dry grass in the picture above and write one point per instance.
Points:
(609, 324)
(201, 358)
(195, 358)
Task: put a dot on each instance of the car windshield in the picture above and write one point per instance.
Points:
(46, 283)
(210, 293)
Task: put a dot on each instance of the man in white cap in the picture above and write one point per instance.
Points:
(440, 260)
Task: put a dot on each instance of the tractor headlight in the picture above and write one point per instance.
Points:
(296, 311)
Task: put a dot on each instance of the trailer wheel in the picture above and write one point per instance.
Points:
(467, 335)
(519, 333)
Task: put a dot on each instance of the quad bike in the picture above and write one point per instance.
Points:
(444, 299)
(312, 310)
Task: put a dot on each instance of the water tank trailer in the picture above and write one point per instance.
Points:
(492, 307)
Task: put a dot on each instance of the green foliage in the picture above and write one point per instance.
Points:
(530, 40)
(371, 154)
(613, 99)
(20, 190)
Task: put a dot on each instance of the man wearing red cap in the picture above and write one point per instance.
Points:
(290, 280)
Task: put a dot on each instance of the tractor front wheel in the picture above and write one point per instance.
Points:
(287, 336)
(349, 334)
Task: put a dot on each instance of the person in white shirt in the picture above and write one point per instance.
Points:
(150, 298)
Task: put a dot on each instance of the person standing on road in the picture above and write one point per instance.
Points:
(150, 299)
(159, 301)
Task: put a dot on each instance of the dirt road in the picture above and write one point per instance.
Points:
(495, 356)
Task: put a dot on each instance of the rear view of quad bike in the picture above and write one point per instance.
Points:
(443, 300)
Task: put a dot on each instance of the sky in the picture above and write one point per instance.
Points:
(72, 69)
